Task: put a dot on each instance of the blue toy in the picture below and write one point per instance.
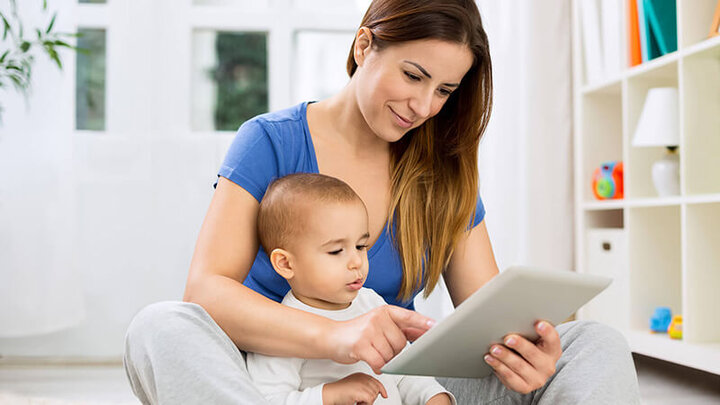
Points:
(660, 320)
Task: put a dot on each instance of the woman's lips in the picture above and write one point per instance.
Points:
(402, 122)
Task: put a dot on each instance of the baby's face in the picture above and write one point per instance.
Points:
(330, 260)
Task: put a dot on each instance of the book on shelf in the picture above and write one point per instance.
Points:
(662, 20)
(657, 25)
(592, 48)
(601, 38)
(651, 32)
(634, 54)
(715, 27)
(611, 20)
(642, 24)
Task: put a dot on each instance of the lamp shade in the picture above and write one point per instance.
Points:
(658, 125)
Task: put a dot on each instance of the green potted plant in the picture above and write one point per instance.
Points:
(21, 44)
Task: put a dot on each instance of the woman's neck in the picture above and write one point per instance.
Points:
(341, 122)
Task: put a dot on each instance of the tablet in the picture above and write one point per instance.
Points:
(510, 302)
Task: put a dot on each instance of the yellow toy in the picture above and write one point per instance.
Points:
(675, 328)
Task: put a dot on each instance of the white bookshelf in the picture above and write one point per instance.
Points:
(670, 247)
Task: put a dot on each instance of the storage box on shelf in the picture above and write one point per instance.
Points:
(663, 251)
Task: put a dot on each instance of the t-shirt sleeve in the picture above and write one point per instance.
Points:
(252, 161)
(479, 212)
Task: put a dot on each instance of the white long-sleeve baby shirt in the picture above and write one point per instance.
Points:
(293, 381)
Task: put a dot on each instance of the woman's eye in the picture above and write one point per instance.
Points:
(412, 76)
(445, 92)
(335, 252)
(361, 247)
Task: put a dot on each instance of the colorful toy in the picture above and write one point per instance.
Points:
(607, 181)
(660, 321)
(675, 328)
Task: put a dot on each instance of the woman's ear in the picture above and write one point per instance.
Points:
(363, 44)
(280, 260)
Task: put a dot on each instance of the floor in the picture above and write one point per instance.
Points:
(661, 383)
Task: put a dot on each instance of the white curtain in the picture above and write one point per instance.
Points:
(40, 287)
(526, 154)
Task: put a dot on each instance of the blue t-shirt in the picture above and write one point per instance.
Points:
(274, 145)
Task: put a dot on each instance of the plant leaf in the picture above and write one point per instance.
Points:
(2, 58)
(25, 46)
(44, 4)
(39, 33)
(54, 56)
(52, 22)
(7, 26)
(61, 43)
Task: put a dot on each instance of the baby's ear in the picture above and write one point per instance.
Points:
(280, 260)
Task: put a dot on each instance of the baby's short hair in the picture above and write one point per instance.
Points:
(287, 199)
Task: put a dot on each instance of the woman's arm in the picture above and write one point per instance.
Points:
(473, 265)
(225, 250)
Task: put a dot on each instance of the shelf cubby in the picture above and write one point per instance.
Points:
(640, 159)
(702, 286)
(701, 123)
(655, 262)
(602, 115)
(610, 219)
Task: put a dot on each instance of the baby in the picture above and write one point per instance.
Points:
(314, 228)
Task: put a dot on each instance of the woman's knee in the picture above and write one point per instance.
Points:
(593, 333)
(163, 320)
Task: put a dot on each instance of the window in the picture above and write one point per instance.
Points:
(90, 80)
(230, 79)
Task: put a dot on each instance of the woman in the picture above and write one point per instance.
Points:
(404, 133)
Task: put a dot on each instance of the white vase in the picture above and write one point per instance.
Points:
(666, 175)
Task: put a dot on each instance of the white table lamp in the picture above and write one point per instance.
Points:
(658, 126)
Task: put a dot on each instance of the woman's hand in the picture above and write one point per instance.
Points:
(535, 363)
(375, 337)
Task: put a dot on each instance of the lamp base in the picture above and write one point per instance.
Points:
(666, 174)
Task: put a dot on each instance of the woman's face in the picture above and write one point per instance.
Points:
(403, 85)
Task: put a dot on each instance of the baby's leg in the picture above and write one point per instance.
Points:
(176, 354)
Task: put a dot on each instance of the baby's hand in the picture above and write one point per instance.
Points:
(358, 388)
(440, 399)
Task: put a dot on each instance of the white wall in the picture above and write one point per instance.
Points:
(96, 225)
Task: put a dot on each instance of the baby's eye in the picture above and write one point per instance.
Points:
(361, 247)
(412, 76)
(335, 252)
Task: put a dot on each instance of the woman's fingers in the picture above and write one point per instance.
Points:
(515, 364)
(509, 378)
(549, 341)
(375, 337)
(372, 357)
(529, 352)
(406, 319)
(528, 365)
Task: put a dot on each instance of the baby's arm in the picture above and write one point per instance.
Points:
(278, 379)
(416, 390)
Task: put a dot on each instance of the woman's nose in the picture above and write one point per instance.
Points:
(421, 105)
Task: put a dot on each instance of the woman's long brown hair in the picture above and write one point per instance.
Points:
(434, 166)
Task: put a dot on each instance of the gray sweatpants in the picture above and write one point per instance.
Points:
(176, 354)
